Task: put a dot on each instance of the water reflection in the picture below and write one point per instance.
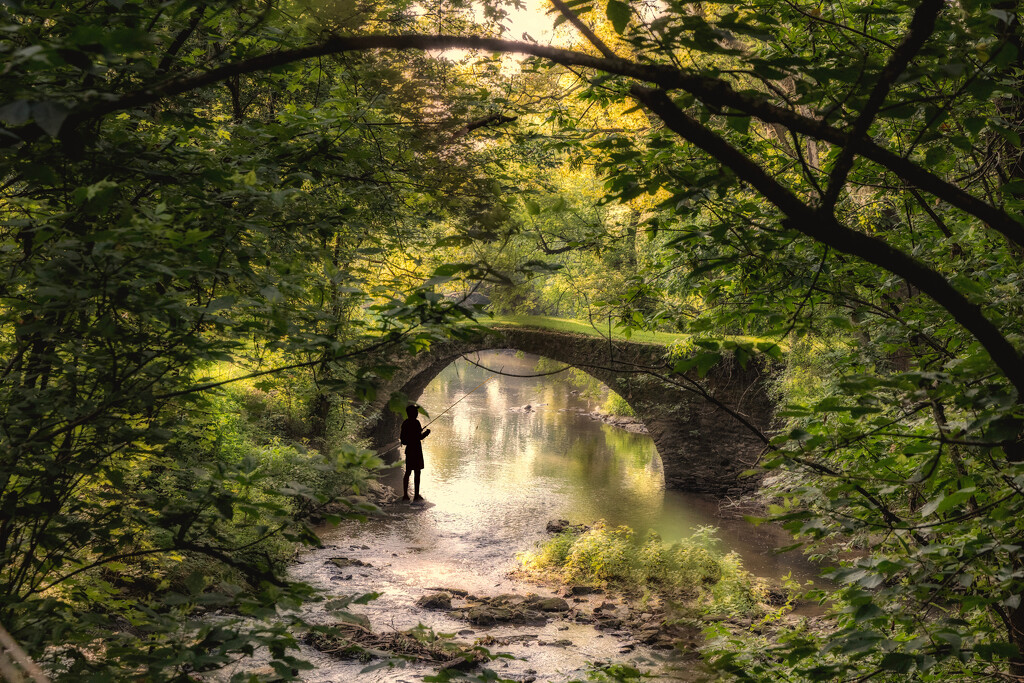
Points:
(497, 470)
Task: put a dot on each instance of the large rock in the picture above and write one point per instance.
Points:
(505, 608)
(488, 615)
(557, 526)
(551, 605)
(435, 601)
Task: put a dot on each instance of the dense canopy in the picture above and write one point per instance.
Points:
(199, 196)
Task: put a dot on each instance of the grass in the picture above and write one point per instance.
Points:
(582, 327)
(542, 322)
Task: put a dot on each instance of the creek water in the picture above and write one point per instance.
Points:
(496, 473)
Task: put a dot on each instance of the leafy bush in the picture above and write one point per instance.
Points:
(604, 554)
(690, 568)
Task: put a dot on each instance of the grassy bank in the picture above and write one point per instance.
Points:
(673, 340)
(583, 327)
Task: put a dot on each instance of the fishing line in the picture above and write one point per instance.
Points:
(391, 446)
(461, 399)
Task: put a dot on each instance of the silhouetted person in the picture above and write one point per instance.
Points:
(412, 434)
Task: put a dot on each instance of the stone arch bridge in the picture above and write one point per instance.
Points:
(705, 429)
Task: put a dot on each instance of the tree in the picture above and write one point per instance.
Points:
(853, 167)
(249, 222)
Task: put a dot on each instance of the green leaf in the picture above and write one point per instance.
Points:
(867, 611)
(618, 13)
(899, 662)
(15, 113)
(397, 404)
(706, 361)
(943, 503)
(740, 124)
(990, 651)
(935, 155)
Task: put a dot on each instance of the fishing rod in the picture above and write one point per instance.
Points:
(391, 446)
(461, 399)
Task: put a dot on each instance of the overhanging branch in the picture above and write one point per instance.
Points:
(921, 27)
(822, 227)
(714, 92)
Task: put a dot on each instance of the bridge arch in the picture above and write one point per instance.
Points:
(703, 447)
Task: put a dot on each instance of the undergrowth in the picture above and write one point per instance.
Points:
(690, 569)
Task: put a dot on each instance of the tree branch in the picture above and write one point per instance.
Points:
(921, 27)
(584, 29)
(712, 91)
(822, 227)
(486, 121)
(510, 374)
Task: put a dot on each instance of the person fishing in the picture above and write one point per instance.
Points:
(412, 435)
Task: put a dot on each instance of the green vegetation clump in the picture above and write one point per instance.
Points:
(583, 327)
(690, 569)
(616, 405)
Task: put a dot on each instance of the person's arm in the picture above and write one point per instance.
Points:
(424, 434)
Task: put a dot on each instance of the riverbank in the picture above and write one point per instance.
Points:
(442, 595)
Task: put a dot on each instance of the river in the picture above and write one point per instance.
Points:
(496, 473)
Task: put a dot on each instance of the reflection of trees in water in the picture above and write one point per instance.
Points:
(638, 466)
(638, 448)
(588, 464)
(606, 472)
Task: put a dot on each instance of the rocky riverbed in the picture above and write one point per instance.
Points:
(552, 633)
(442, 597)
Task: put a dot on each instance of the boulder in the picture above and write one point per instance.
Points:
(435, 601)
(649, 636)
(551, 605)
(561, 642)
(343, 562)
(487, 615)
(557, 526)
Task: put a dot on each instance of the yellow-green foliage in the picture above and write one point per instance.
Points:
(690, 568)
(616, 405)
(737, 591)
(604, 554)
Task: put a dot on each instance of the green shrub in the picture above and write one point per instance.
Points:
(604, 554)
(690, 568)
(554, 553)
(736, 592)
(693, 561)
